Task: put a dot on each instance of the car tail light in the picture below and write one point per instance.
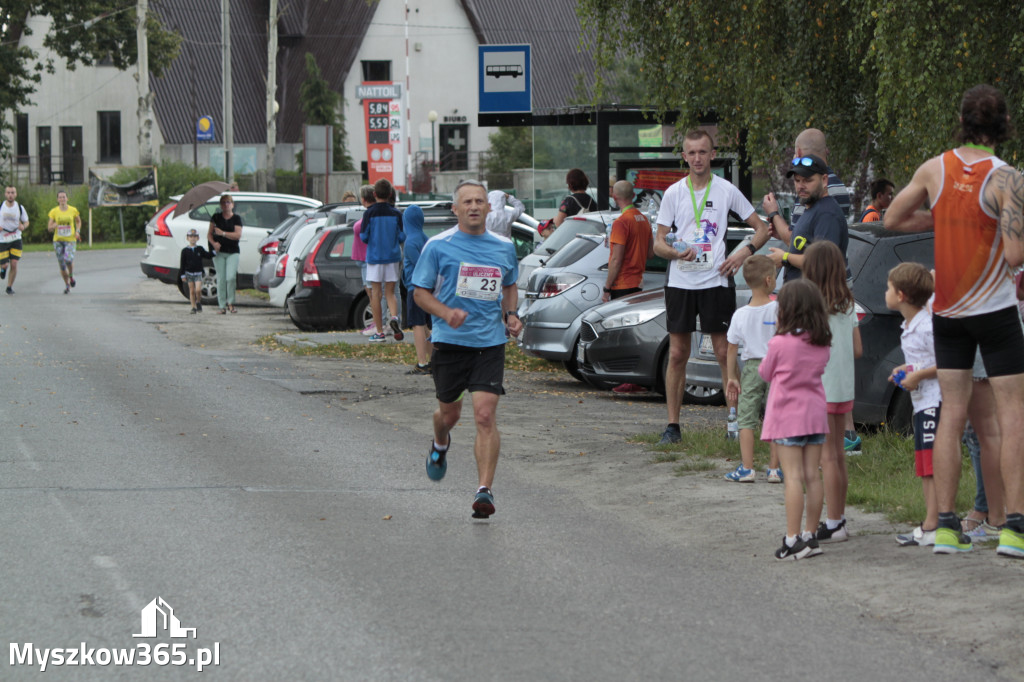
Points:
(310, 275)
(282, 265)
(270, 248)
(161, 222)
(553, 285)
(863, 315)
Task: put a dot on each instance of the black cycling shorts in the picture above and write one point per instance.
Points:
(998, 335)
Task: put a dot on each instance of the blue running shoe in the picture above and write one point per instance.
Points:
(483, 503)
(437, 462)
(852, 447)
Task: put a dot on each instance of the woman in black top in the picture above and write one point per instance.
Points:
(223, 235)
(577, 202)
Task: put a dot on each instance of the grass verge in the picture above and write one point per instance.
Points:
(401, 353)
(881, 480)
(84, 246)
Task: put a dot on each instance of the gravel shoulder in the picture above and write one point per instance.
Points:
(575, 438)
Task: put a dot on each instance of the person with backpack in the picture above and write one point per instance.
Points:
(577, 202)
(13, 219)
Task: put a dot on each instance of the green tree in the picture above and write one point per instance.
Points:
(322, 106)
(84, 31)
(882, 79)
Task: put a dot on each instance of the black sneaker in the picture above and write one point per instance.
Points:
(72, 282)
(798, 551)
(812, 544)
(483, 503)
(420, 369)
(10, 290)
(837, 534)
(199, 307)
(437, 462)
(671, 434)
(396, 328)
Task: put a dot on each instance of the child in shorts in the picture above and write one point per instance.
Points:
(192, 269)
(753, 325)
(910, 286)
(796, 418)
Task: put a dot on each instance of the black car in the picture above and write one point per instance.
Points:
(329, 293)
(625, 340)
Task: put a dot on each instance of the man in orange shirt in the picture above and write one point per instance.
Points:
(632, 242)
(881, 197)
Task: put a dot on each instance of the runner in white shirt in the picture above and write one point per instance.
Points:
(692, 224)
(13, 219)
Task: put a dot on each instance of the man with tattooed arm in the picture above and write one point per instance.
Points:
(976, 212)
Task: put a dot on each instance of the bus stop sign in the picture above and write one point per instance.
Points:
(504, 76)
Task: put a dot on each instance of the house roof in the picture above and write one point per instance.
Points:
(191, 87)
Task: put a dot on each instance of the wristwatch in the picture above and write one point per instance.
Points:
(607, 290)
(753, 249)
(510, 312)
(785, 257)
(772, 215)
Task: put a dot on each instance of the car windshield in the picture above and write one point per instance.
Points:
(572, 252)
(569, 229)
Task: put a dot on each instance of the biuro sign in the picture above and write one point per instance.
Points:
(382, 112)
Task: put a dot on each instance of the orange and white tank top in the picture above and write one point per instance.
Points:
(971, 276)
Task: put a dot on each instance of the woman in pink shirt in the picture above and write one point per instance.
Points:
(796, 416)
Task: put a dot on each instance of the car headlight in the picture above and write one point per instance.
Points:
(630, 318)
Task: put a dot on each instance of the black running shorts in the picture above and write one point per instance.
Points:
(460, 368)
(998, 335)
(715, 307)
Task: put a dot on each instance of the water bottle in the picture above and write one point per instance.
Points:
(732, 427)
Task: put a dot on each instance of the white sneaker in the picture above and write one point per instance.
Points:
(917, 538)
(369, 330)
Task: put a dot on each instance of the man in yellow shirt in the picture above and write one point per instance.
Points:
(66, 226)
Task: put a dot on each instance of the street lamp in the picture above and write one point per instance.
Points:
(432, 117)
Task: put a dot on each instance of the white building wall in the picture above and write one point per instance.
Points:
(74, 98)
(442, 71)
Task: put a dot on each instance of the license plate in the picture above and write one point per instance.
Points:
(706, 348)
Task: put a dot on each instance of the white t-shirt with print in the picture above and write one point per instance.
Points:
(708, 239)
(11, 218)
(918, 344)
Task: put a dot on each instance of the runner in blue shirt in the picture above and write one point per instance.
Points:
(466, 279)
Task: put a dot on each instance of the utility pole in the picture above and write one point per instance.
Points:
(272, 98)
(147, 155)
(229, 132)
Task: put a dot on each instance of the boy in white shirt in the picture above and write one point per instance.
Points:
(909, 289)
(753, 325)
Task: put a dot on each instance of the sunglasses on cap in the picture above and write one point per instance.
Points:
(803, 161)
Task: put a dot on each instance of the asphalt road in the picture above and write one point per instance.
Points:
(134, 467)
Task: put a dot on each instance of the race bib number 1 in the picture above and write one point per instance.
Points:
(701, 262)
(482, 282)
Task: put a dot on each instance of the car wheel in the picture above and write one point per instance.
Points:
(570, 365)
(361, 313)
(208, 287)
(692, 394)
(703, 395)
(900, 415)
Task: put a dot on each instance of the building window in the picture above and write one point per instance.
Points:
(110, 136)
(377, 71)
(21, 150)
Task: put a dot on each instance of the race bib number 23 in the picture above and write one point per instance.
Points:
(482, 282)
